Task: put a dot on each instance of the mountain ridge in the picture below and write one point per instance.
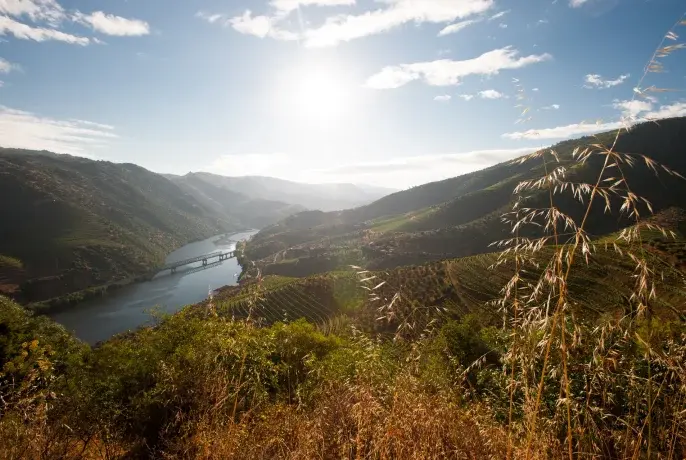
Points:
(460, 216)
(74, 224)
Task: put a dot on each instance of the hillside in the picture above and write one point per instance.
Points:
(70, 223)
(252, 210)
(453, 288)
(323, 197)
(306, 368)
(462, 216)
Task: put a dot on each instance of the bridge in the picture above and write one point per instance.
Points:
(219, 255)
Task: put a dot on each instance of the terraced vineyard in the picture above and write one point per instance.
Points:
(443, 289)
(277, 298)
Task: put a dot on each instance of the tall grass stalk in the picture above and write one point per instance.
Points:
(540, 332)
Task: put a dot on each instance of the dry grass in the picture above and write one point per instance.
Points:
(624, 399)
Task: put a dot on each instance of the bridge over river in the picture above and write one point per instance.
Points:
(219, 255)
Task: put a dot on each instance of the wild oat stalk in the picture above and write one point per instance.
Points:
(543, 313)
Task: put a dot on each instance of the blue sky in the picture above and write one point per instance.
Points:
(387, 92)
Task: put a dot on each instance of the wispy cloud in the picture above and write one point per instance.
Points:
(249, 24)
(635, 113)
(21, 129)
(110, 24)
(563, 132)
(443, 98)
(36, 10)
(551, 107)
(631, 108)
(398, 12)
(260, 26)
(491, 94)
(415, 170)
(9, 26)
(290, 5)
(595, 81)
(458, 26)
(7, 67)
(466, 97)
(577, 3)
(47, 15)
(344, 28)
(209, 17)
(446, 72)
(498, 15)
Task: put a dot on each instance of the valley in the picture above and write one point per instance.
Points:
(403, 305)
(462, 216)
(73, 226)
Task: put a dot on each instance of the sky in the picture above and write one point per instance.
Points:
(392, 93)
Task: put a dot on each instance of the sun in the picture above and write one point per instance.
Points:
(315, 96)
(320, 95)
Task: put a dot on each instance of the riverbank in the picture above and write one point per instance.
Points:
(60, 303)
(123, 307)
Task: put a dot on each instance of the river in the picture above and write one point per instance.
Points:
(128, 308)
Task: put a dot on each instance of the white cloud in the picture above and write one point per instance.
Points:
(596, 81)
(110, 24)
(534, 89)
(36, 10)
(676, 109)
(260, 26)
(39, 34)
(211, 18)
(7, 67)
(577, 3)
(631, 109)
(20, 129)
(443, 98)
(498, 15)
(638, 113)
(502, 26)
(491, 94)
(290, 5)
(251, 25)
(345, 28)
(466, 97)
(551, 107)
(458, 26)
(447, 72)
(563, 132)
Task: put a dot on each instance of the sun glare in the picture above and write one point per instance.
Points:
(320, 95)
(315, 96)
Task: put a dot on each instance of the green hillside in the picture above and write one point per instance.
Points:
(453, 288)
(408, 361)
(70, 224)
(462, 216)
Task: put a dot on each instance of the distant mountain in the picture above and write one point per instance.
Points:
(461, 216)
(323, 197)
(69, 223)
(254, 211)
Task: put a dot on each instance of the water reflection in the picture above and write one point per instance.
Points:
(128, 308)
